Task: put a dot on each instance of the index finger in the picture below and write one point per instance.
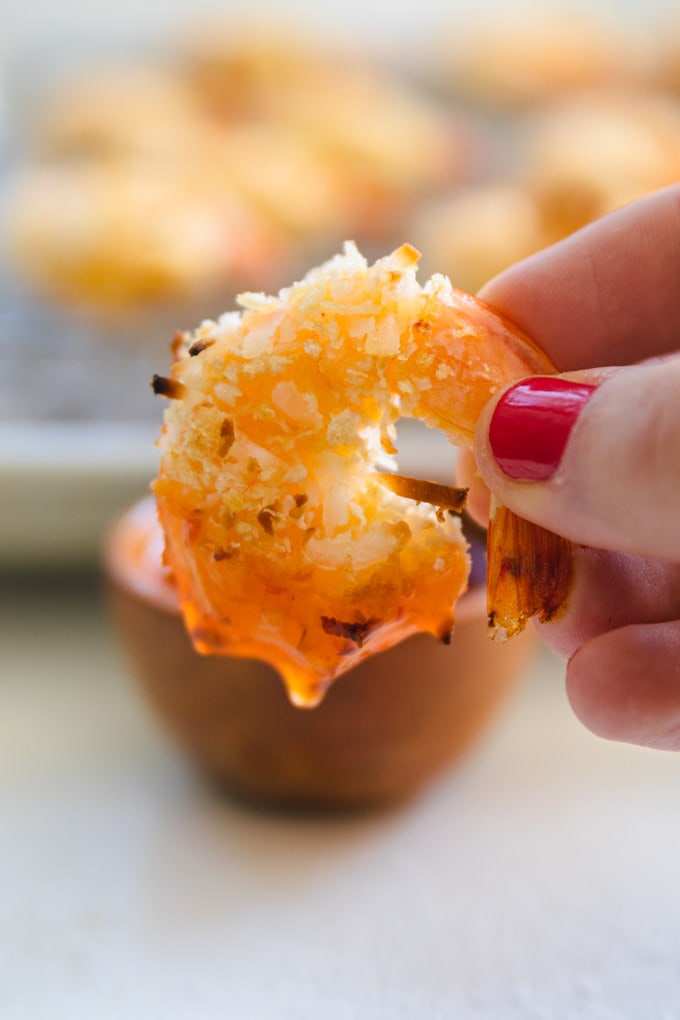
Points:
(608, 294)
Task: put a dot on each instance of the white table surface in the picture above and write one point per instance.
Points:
(539, 879)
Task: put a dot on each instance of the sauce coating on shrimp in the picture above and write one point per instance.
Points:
(287, 540)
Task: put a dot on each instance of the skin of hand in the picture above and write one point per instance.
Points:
(600, 463)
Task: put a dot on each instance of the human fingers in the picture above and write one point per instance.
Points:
(468, 477)
(597, 464)
(612, 590)
(608, 294)
(609, 589)
(625, 685)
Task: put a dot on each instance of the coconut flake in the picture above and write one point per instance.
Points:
(257, 301)
(299, 407)
(343, 428)
(258, 339)
(385, 338)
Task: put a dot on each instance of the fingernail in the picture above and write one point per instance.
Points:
(531, 424)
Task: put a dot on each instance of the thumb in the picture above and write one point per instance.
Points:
(593, 456)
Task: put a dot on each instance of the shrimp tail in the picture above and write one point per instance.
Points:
(529, 573)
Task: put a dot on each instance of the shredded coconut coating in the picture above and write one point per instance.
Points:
(285, 544)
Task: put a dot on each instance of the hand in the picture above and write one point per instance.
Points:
(600, 463)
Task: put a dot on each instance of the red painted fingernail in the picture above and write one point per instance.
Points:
(531, 424)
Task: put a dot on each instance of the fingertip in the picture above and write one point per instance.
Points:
(478, 497)
(483, 455)
(624, 685)
(570, 452)
(591, 690)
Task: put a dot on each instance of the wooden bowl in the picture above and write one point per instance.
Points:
(383, 730)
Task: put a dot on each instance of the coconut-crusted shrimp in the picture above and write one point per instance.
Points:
(286, 541)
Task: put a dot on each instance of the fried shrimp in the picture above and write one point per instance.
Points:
(288, 540)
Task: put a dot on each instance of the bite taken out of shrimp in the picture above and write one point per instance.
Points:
(287, 542)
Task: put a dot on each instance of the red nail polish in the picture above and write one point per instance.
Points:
(531, 424)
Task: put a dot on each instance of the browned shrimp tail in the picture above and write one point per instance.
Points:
(529, 573)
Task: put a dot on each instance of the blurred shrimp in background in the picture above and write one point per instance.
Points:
(146, 187)
(580, 112)
(158, 164)
(223, 162)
